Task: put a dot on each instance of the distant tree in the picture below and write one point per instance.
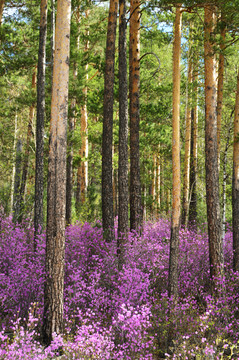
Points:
(39, 168)
(123, 132)
(194, 146)
(176, 203)
(56, 191)
(211, 158)
(17, 181)
(82, 172)
(186, 177)
(107, 169)
(136, 211)
(25, 164)
(221, 65)
(235, 184)
(70, 135)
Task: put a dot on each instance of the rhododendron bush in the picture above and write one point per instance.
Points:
(111, 314)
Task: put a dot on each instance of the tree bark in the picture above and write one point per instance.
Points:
(107, 169)
(56, 191)
(211, 159)
(2, 2)
(39, 169)
(123, 134)
(235, 184)
(136, 213)
(176, 205)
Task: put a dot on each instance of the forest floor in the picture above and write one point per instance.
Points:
(111, 314)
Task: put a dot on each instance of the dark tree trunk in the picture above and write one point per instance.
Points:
(107, 182)
(56, 191)
(211, 159)
(123, 135)
(176, 201)
(235, 184)
(17, 181)
(136, 211)
(39, 170)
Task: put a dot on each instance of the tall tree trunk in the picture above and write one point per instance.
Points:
(27, 151)
(212, 177)
(39, 169)
(107, 183)
(56, 191)
(186, 180)
(220, 86)
(2, 2)
(17, 181)
(176, 205)
(123, 134)
(136, 215)
(235, 184)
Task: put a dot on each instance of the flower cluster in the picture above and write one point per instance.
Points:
(112, 314)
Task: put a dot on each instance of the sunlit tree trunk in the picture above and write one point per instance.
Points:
(107, 169)
(56, 191)
(39, 168)
(235, 184)
(123, 134)
(2, 2)
(220, 87)
(136, 215)
(211, 159)
(186, 178)
(176, 204)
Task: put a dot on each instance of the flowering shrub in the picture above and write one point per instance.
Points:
(112, 314)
